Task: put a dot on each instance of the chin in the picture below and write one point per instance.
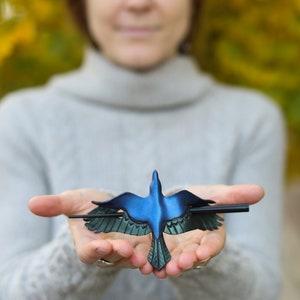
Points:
(142, 65)
(141, 61)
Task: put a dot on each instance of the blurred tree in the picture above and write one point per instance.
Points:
(256, 43)
(253, 43)
(37, 40)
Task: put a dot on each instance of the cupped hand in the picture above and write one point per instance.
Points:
(124, 251)
(194, 248)
(187, 249)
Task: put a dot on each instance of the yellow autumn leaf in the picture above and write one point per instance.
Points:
(42, 10)
(7, 45)
(26, 32)
(22, 33)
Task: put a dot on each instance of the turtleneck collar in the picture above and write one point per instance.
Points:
(176, 82)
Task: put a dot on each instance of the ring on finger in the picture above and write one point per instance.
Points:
(201, 264)
(104, 263)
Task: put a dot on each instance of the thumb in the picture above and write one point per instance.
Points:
(67, 203)
(230, 194)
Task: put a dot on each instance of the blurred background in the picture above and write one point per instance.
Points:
(253, 43)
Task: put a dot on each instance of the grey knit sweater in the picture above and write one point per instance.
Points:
(108, 128)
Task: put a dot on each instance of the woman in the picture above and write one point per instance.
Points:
(137, 105)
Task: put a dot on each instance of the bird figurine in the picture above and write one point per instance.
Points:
(156, 214)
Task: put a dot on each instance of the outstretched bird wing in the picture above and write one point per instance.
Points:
(190, 199)
(122, 224)
(191, 221)
(185, 220)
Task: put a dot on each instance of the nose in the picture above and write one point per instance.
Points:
(138, 5)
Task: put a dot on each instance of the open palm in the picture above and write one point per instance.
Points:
(125, 250)
(187, 249)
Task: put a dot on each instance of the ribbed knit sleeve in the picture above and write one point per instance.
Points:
(32, 264)
(234, 274)
(53, 272)
(249, 265)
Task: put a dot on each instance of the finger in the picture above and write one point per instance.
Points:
(122, 255)
(138, 260)
(234, 194)
(184, 254)
(146, 269)
(141, 250)
(121, 249)
(187, 259)
(160, 274)
(132, 262)
(182, 259)
(89, 253)
(173, 269)
(211, 244)
(68, 203)
(110, 250)
(45, 206)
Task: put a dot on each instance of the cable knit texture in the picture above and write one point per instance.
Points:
(108, 128)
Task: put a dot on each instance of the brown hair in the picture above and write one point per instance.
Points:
(77, 11)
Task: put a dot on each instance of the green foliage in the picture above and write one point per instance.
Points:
(253, 43)
(37, 40)
(256, 43)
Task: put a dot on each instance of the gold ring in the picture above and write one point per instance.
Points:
(104, 263)
(201, 264)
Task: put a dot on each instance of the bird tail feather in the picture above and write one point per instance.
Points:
(159, 254)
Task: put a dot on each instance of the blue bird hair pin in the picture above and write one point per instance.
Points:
(157, 214)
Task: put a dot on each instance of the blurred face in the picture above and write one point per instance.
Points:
(138, 34)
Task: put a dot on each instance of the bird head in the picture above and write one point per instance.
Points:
(155, 184)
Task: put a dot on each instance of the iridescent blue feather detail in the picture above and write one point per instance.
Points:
(156, 214)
